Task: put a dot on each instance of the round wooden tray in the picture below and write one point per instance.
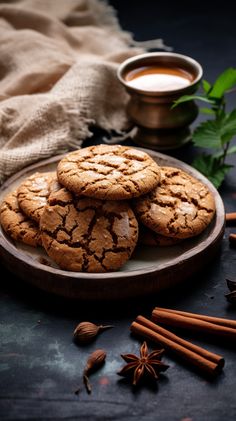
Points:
(151, 269)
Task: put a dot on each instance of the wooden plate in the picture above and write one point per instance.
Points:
(150, 269)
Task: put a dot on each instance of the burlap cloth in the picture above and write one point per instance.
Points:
(58, 62)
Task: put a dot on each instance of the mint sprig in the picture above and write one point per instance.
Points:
(217, 132)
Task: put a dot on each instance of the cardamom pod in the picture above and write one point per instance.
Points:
(95, 360)
(85, 332)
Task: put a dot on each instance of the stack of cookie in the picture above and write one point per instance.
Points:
(90, 215)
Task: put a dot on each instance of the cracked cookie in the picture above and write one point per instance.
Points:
(180, 207)
(33, 192)
(88, 235)
(148, 237)
(17, 225)
(108, 172)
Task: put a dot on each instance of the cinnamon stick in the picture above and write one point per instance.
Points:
(208, 366)
(216, 320)
(218, 359)
(174, 319)
(230, 217)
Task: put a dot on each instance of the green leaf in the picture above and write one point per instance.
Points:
(228, 127)
(210, 167)
(218, 176)
(203, 163)
(186, 98)
(206, 110)
(231, 150)
(223, 83)
(208, 134)
(216, 133)
(206, 86)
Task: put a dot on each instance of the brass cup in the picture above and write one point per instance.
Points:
(159, 126)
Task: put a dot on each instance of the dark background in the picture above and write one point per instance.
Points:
(40, 366)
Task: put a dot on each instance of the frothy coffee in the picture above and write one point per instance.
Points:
(158, 79)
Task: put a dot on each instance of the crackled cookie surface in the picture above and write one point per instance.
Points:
(180, 207)
(89, 235)
(108, 172)
(16, 224)
(33, 192)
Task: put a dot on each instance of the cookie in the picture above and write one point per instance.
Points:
(180, 207)
(88, 235)
(17, 225)
(108, 172)
(33, 192)
(148, 237)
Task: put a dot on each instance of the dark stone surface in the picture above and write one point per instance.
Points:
(39, 363)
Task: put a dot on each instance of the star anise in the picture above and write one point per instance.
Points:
(231, 296)
(146, 364)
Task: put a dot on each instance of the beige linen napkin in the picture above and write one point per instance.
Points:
(58, 62)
